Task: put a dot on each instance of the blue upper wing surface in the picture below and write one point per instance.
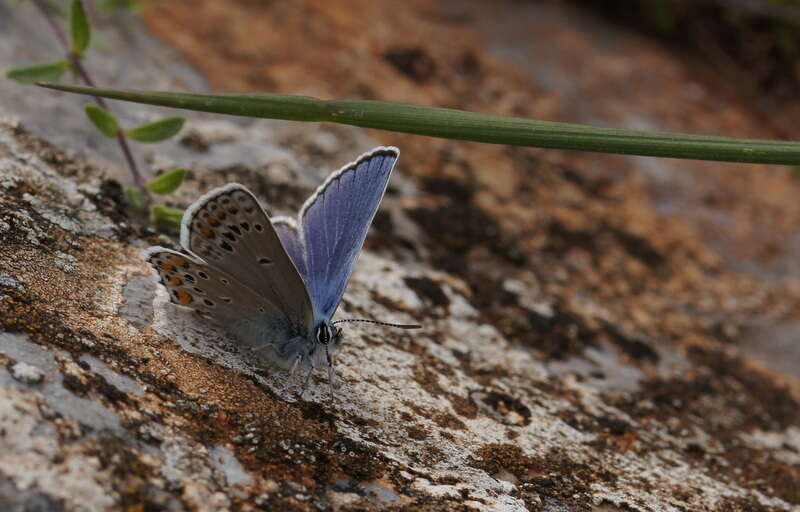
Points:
(334, 223)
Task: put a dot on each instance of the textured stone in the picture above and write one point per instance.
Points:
(27, 373)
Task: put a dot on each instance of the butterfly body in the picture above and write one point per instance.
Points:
(275, 283)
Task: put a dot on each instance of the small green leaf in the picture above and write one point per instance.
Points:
(103, 120)
(168, 182)
(80, 30)
(135, 198)
(157, 130)
(167, 217)
(38, 72)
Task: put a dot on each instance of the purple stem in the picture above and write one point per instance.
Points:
(77, 65)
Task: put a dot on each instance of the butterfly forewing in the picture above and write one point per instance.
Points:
(230, 230)
(335, 221)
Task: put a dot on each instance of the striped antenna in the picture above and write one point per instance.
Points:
(387, 324)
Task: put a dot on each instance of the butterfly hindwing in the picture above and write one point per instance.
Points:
(214, 295)
(229, 229)
(193, 284)
(334, 223)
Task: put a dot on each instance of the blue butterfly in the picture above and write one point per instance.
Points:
(276, 282)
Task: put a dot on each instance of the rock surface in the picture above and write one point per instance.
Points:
(583, 349)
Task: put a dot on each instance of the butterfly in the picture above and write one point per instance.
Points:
(276, 282)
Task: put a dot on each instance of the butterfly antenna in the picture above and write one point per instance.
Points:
(376, 322)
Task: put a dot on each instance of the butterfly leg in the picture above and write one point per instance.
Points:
(308, 356)
(307, 379)
(331, 375)
(298, 358)
(331, 371)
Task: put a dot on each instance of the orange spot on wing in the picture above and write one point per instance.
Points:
(181, 262)
(167, 267)
(176, 281)
(183, 297)
(207, 232)
(213, 221)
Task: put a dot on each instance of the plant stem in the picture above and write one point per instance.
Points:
(79, 68)
(48, 16)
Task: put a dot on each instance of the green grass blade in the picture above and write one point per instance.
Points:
(464, 125)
